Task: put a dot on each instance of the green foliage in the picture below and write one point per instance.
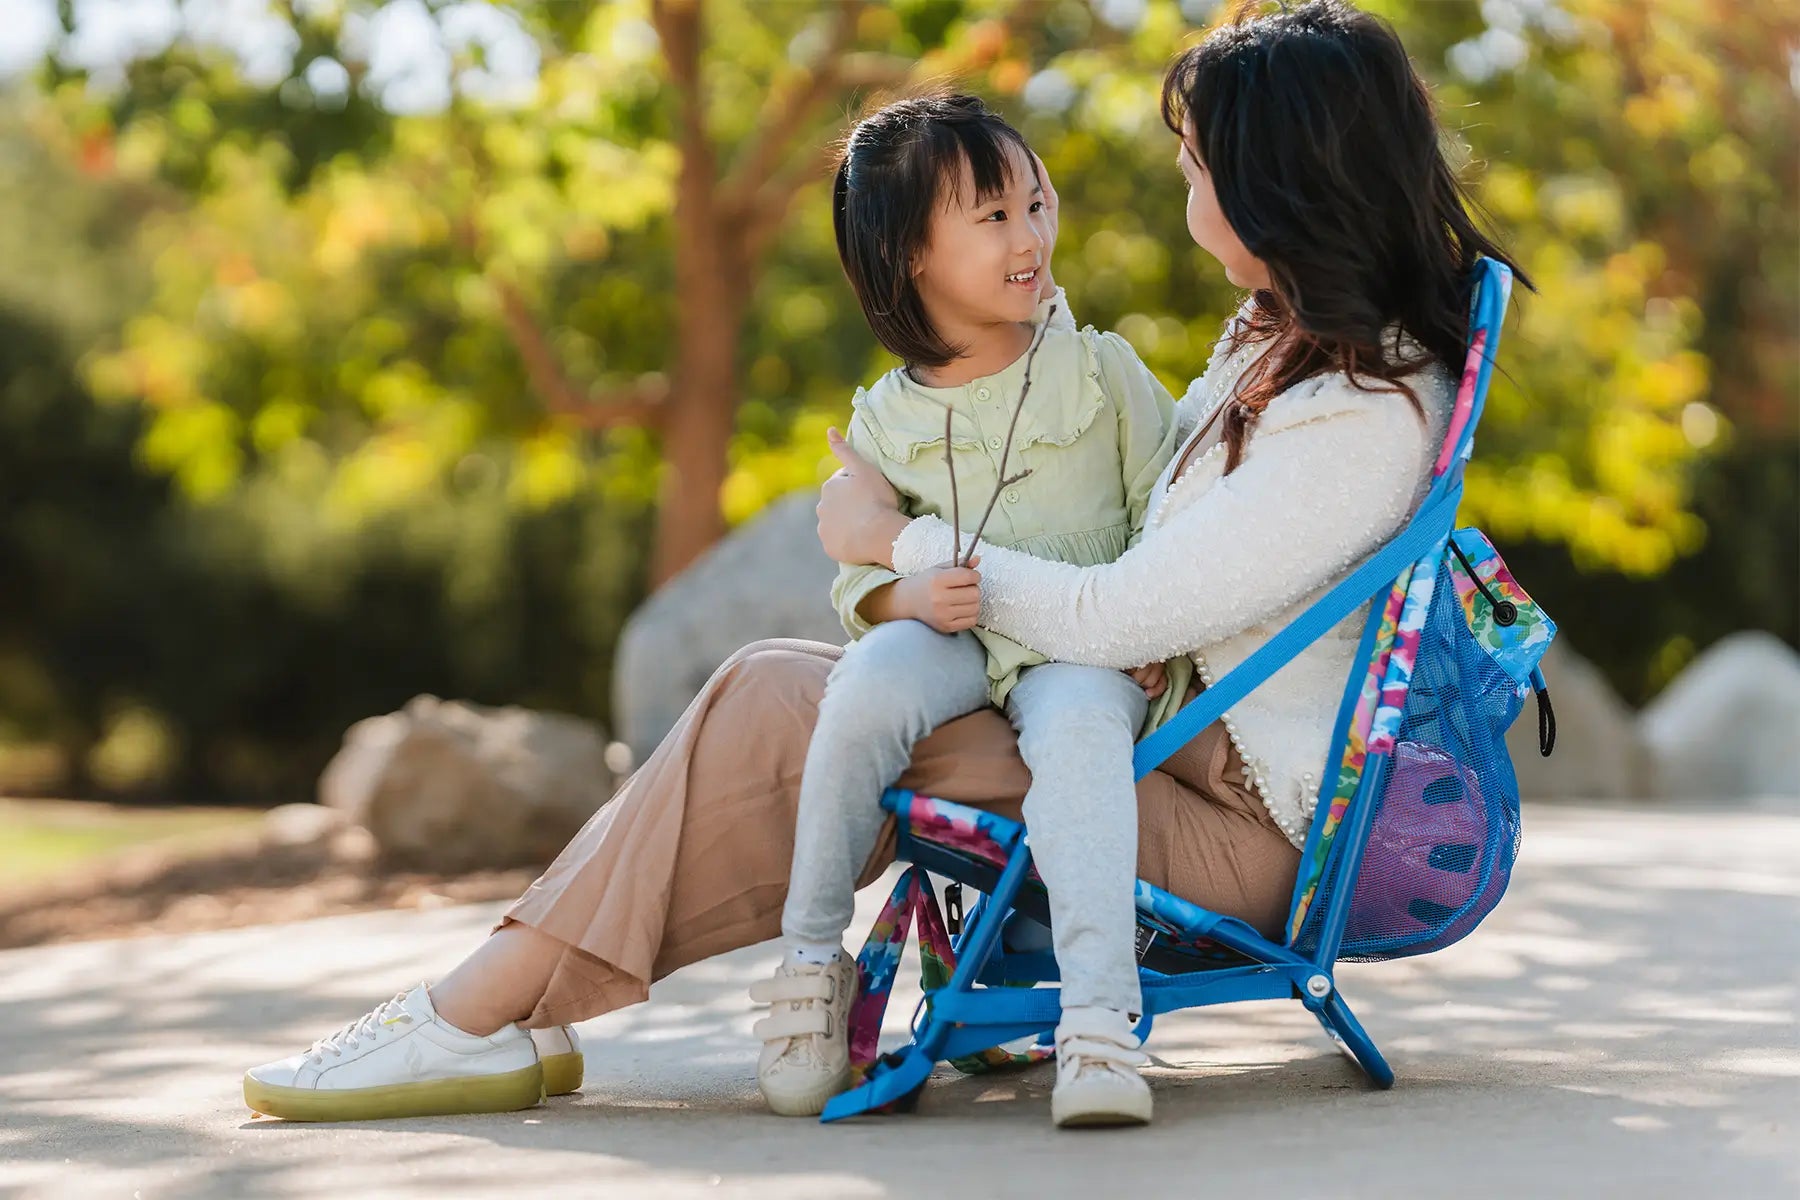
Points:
(239, 640)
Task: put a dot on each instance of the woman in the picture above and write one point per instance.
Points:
(1315, 177)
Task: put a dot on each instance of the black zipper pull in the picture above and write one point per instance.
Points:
(1546, 723)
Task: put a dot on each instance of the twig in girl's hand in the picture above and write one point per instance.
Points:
(955, 501)
(1024, 391)
(1003, 485)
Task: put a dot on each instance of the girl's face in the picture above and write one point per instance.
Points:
(1207, 224)
(982, 255)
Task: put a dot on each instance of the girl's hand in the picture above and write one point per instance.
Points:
(946, 598)
(1152, 678)
(859, 510)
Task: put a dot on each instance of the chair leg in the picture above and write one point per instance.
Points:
(896, 1079)
(1354, 1040)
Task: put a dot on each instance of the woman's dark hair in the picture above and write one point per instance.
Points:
(899, 162)
(1325, 153)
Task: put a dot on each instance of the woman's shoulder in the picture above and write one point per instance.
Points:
(1366, 407)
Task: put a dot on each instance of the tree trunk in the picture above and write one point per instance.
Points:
(712, 288)
(697, 422)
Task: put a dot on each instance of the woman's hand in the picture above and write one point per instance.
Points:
(1052, 223)
(859, 511)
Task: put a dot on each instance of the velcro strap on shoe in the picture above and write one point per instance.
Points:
(785, 989)
(1098, 1050)
(801, 1022)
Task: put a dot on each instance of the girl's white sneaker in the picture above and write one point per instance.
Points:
(806, 1046)
(559, 1051)
(1097, 1080)
(400, 1060)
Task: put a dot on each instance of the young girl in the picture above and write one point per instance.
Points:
(943, 230)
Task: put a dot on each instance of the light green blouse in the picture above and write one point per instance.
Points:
(1097, 431)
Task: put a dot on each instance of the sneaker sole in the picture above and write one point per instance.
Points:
(809, 1103)
(1115, 1113)
(563, 1073)
(508, 1092)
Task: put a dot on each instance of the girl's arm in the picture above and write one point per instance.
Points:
(1308, 501)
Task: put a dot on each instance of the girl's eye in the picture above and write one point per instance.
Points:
(1037, 206)
(998, 214)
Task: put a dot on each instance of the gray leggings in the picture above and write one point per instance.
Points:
(1076, 729)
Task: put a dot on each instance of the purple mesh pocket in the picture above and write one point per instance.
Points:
(1428, 872)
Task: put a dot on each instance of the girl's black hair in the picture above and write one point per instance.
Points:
(1325, 153)
(899, 162)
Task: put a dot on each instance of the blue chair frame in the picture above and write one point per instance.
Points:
(974, 1011)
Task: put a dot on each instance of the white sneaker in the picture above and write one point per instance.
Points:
(401, 1060)
(806, 1046)
(559, 1050)
(1097, 1082)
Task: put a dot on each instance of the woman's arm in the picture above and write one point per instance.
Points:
(1308, 501)
(862, 593)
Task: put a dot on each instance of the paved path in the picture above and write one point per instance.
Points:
(1625, 1025)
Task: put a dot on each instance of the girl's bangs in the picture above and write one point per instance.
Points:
(983, 146)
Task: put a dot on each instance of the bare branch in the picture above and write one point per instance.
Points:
(638, 403)
(769, 207)
(677, 25)
(1037, 340)
(955, 499)
(784, 115)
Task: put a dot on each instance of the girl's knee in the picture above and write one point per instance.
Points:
(1074, 731)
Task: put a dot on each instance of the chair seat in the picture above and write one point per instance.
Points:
(971, 846)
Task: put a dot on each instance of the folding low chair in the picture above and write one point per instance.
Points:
(1412, 843)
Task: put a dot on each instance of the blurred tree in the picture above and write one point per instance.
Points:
(632, 192)
(613, 225)
(421, 342)
(1645, 161)
(218, 651)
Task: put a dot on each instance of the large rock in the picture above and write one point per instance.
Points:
(1599, 754)
(451, 786)
(1729, 726)
(769, 578)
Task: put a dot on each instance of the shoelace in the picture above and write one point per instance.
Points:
(351, 1035)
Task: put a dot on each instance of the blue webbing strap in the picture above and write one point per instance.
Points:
(1378, 573)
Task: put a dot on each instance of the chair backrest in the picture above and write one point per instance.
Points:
(1369, 715)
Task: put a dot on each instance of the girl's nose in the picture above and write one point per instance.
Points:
(1028, 238)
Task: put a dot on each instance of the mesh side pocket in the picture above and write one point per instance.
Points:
(1446, 825)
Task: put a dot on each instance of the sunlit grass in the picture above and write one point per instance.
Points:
(39, 838)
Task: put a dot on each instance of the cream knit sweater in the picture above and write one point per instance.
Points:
(1330, 472)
